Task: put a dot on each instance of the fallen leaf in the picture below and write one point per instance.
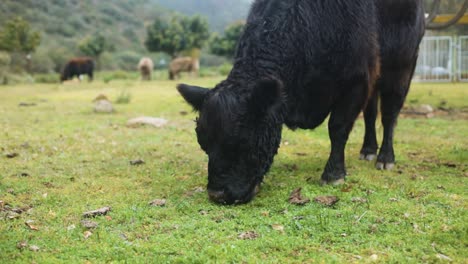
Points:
(374, 257)
(137, 162)
(87, 234)
(347, 188)
(443, 257)
(89, 224)
(248, 235)
(12, 155)
(183, 113)
(326, 200)
(393, 200)
(158, 202)
(21, 244)
(34, 248)
(108, 217)
(31, 226)
(203, 212)
(71, 227)
(277, 227)
(358, 200)
(26, 104)
(296, 198)
(266, 213)
(94, 213)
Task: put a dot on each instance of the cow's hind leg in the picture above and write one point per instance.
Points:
(369, 146)
(393, 86)
(343, 115)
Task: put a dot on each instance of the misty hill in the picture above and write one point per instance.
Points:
(219, 12)
(64, 23)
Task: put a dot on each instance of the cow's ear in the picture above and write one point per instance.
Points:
(194, 95)
(267, 95)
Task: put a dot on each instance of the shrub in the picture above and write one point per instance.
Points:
(124, 97)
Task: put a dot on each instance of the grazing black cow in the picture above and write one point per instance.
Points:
(296, 63)
(77, 67)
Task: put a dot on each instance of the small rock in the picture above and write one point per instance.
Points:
(146, 120)
(103, 106)
(424, 109)
(89, 224)
(393, 200)
(374, 257)
(183, 113)
(158, 202)
(71, 227)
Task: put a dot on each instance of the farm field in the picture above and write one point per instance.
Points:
(59, 159)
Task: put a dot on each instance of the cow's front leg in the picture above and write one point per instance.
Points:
(340, 124)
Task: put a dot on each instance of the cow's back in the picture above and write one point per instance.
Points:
(314, 47)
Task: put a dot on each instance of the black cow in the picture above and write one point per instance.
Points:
(77, 67)
(296, 63)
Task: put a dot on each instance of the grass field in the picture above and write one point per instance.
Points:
(71, 160)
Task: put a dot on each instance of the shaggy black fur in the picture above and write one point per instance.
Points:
(297, 62)
(77, 67)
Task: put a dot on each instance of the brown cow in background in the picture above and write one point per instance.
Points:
(77, 67)
(145, 66)
(183, 64)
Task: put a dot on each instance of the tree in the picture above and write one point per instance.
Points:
(17, 37)
(176, 35)
(226, 45)
(93, 46)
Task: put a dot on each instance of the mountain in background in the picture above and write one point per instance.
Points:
(64, 23)
(220, 13)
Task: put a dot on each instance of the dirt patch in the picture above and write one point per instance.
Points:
(441, 112)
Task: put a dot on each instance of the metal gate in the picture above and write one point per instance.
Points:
(435, 60)
(463, 59)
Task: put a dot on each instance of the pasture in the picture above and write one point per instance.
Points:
(59, 159)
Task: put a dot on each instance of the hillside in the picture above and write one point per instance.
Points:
(219, 12)
(64, 23)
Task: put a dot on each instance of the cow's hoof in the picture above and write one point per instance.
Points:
(384, 166)
(332, 182)
(368, 157)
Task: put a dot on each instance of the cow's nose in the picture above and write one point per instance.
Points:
(217, 196)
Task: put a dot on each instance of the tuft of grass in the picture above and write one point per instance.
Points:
(124, 97)
(70, 160)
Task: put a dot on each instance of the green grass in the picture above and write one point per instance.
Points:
(79, 161)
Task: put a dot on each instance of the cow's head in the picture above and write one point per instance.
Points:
(239, 128)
